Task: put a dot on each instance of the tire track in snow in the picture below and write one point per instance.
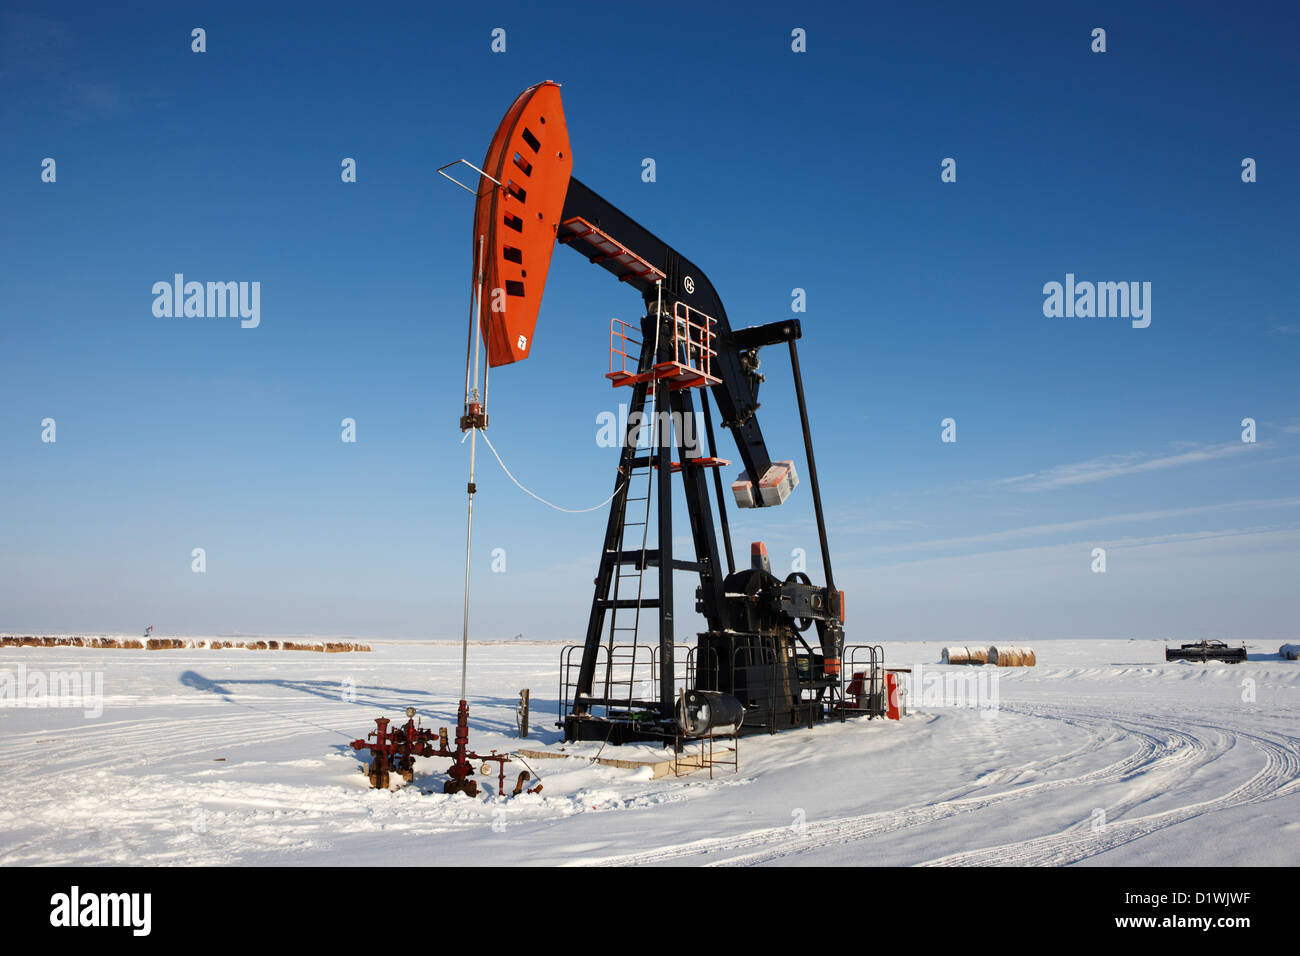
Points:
(1009, 775)
(1154, 750)
(1279, 776)
(136, 741)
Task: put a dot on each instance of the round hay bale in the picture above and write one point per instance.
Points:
(1012, 656)
(1289, 652)
(1005, 656)
(978, 655)
(955, 655)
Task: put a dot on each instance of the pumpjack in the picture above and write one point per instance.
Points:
(630, 679)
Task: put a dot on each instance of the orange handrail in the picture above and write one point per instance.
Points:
(617, 333)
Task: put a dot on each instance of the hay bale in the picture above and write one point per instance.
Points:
(1012, 656)
(1289, 652)
(965, 655)
(174, 643)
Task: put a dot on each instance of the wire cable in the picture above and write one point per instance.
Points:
(532, 494)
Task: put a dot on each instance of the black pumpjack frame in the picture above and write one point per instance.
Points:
(815, 687)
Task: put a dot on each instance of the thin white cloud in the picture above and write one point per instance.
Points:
(1062, 527)
(1034, 556)
(1226, 539)
(879, 526)
(1115, 466)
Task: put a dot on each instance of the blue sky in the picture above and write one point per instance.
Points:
(775, 170)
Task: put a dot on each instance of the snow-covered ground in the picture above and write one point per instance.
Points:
(1101, 754)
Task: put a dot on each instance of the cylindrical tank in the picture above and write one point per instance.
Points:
(894, 707)
(700, 712)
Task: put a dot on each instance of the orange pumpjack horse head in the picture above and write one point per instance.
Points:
(517, 216)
